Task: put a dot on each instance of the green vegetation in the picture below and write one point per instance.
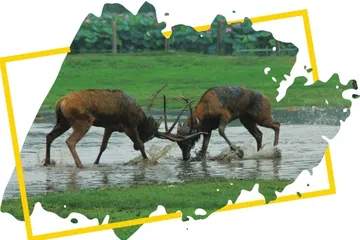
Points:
(142, 32)
(139, 201)
(187, 74)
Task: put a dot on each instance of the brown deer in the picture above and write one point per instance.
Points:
(219, 106)
(114, 110)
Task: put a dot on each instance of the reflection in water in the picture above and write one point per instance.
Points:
(192, 170)
(72, 181)
(104, 179)
(301, 146)
(276, 162)
(139, 174)
(48, 187)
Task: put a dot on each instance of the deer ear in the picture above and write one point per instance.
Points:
(197, 122)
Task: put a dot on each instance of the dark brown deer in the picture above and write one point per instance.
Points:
(219, 106)
(114, 110)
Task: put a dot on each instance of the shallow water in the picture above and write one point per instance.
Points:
(301, 144)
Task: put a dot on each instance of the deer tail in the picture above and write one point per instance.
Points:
(58, 111)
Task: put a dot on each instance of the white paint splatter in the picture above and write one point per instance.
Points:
(274, 79)
(246, 196)
(345, 110)
(337, 86)
(267, 70)
(217, 190)
(326, 101)
(64, 206)
(200, 212)
(55, 223)
(160, 210)
(274, 49)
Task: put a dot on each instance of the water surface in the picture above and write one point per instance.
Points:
(301, 144)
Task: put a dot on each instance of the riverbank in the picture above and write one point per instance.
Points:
(139, 201)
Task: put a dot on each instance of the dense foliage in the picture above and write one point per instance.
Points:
(142, 32)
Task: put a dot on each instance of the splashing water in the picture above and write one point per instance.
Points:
(64, 158)
(154, 154)
(268, 152)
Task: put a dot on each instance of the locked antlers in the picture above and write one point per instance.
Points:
(167, 134)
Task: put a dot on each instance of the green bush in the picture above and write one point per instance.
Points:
(142, 32)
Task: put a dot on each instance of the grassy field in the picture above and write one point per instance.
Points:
(187, 74)
(138, 202)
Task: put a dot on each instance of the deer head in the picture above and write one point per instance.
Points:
(188, 134)
(190, 129)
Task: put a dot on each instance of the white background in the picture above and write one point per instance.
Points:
(28, 26)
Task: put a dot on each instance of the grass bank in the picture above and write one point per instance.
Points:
(187, 74)
(139, 201)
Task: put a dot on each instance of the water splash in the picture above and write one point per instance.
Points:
(154, 153)
(250, 152)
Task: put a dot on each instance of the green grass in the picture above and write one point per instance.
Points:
(138, 202)
(186, 74)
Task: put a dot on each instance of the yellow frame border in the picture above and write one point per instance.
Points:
(3, 60)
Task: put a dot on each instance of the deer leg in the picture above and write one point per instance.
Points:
(134, 136)
(78, 133)
(50, 137)
(270, 123)
(206, 141)
(222, 125)
(250, 125)
(205, 144)
(106, 137)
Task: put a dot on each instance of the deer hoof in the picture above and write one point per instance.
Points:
(48, 163)
(80, 166)
(239, 152)
(201, 155)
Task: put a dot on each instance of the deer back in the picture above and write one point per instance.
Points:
(106, 106)
(229, 101)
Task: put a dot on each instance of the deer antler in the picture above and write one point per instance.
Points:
(178, 117)
(192, 120)
(168, 130)
(167, 134)
(154, 96)
(165, 118)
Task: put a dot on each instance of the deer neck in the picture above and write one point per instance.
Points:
(195, 122)
(142, 125)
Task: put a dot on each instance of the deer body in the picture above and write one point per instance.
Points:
(114, 110)
(221, 105)
(105, 108)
